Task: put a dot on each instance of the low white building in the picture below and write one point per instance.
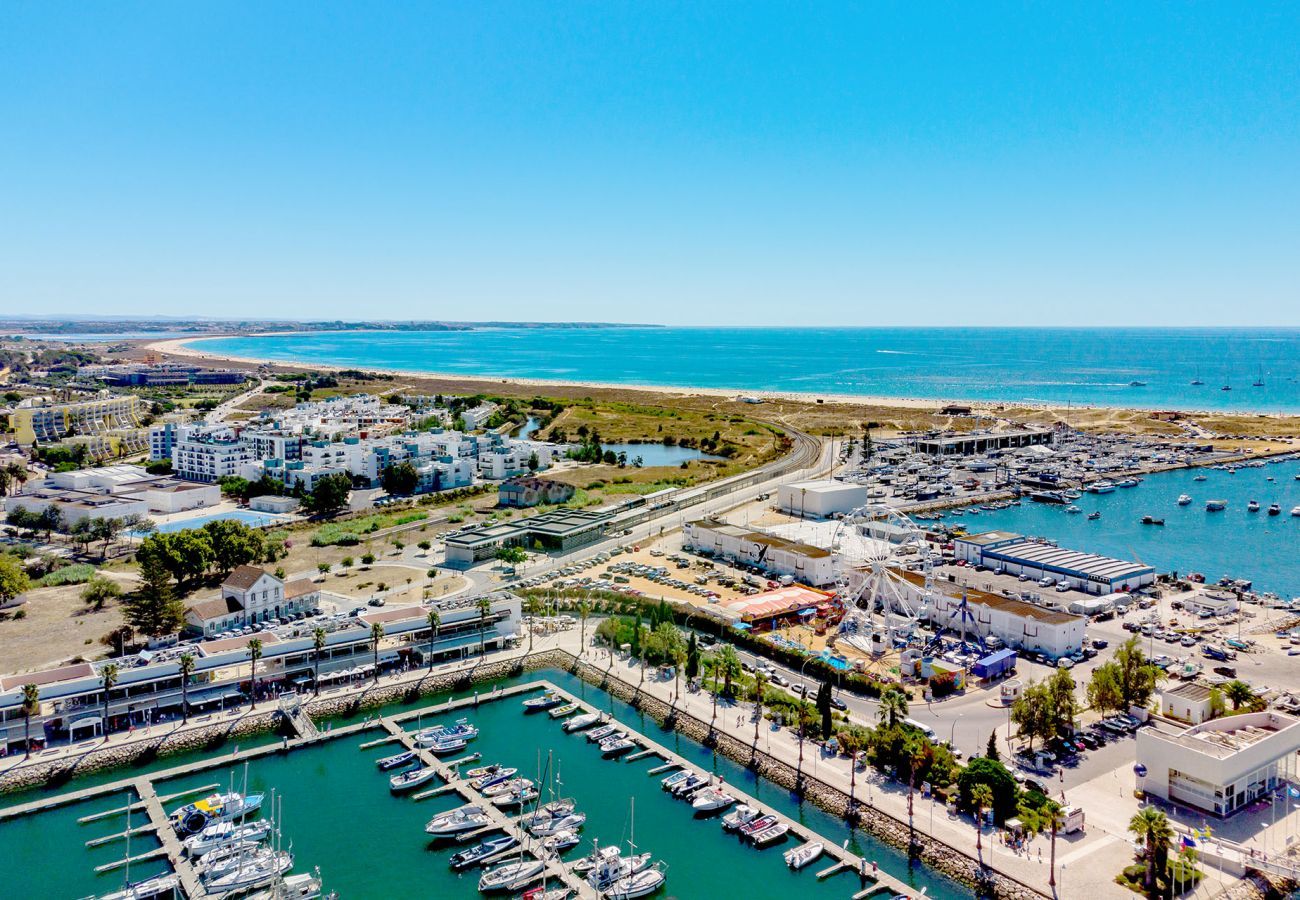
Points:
(820, 498)
(1222, 765)
(802, 562)
(1211, 603)
(250, 595)
(1018, 624)
(1017, 555)
(1188, 702)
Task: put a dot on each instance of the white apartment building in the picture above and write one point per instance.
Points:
(1222, 765)
(207, 456)
(477, 417)
(803, 562)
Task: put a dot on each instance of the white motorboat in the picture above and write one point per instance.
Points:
(546, 701)
(261, 869)
(769, 835)
(675, 779)
(577, 723)
(1127, 483)
(560, 712)
(1252, 506)
(804, 854)
(1274, 509)
(409, 781)
(517, 797)
(595, 858)
(1216, 505)
(1295, 510)
(616, 745)
(639, 884)
(506, 786)
(292, 887)
(161, 887)
(615, 868)
(1101, 487)
(457, 821)
(480, 853)
(596, 735)
(689, 785)
(554, 825)
(1199, 478)
(510, 876)
(711, 799)
(440, 745)
(740, 816)
(561, 841)
(1184, 499)
(1073, 510)
(490, 779)
(224, 834)
(461, 731)
(397, 761)
(194, 817)
(551, 810)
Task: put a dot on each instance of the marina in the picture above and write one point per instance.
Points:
(346, 821)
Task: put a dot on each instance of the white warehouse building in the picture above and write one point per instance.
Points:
(1017, 624)
(1017, 555)
(779, 556)
(820, 498)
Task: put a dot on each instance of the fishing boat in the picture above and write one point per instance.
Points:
(561, 841)
(1184, 499)
(640, 884)
(1274, 509)
(224, 834)
(616, 746)
(1216, 505)
(409, 781)
(457, 821)
(804, 854)
(397, 761)
(491, 779)
(194, 817)
(577, 723)
(1094, 516)
(1252, 506)
(675, 779)
(482, 852)
(740, 816)
(596, 735)
(560, 712)
(511, 876)
(769, 835)
(546, 701)
(572, 821)
(260, 869)
(711, 799)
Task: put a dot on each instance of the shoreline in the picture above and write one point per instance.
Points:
(180, 347)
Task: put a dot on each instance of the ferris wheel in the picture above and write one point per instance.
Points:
(883, 569)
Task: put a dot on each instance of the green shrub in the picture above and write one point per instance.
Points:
(75, 574)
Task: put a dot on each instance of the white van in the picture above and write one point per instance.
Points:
(924, 729)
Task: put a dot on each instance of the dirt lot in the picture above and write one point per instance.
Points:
(58, 627)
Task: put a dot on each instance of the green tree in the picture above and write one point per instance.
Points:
(254, 654)
(98, 591)
(185, 665)
(760, 687)
(329, 495)
(376, 635)
(234, 544)
(153, 607)
(435, 622)
(400, 478)
(893, 706)
(991, 751)
(981, 798)
(584, 610)
(484, 610)
(692, 658)
(13, 577)
(1151, 827)
(318, 649)
(31, 706)
(824, 707)
(730, 668)
(1217, 704)
(1104, 691)
(512, 555)
(1137, 675)
(1238, 693)
(1062, 702)
(1001, 784)
(108, 677)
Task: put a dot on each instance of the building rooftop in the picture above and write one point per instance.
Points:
(1072, 560)
(759, 537)
(1191, 690)
(49, 676)
(243, 578)
(985, 538)
(1229, 735)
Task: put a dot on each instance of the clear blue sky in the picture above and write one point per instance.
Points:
(1038, 163)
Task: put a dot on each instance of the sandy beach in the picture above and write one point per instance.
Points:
(178, 347)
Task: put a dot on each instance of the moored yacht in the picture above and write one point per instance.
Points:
(1184, 499)
(1101, 487)
(1252, 506)
(1274, 509)
(1216, 505)
(511, 876)
(194, 817)
(456, 821)
(577, 723)
(410, 780)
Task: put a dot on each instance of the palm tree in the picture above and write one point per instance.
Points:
(729, 662)
(109, 676)
(584, 610)
(679, 659)
(981, 795)
(254, 654)
(760, 685)
(31, 706)
(186, 669)
(376, 635)
(435, 622)
(1052, 812)
(893, 706)
(1151, 826)
(318, 645)
(534, 607)
(484, 610)
(1239, 693)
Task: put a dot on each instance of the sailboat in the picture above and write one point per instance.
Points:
(615, 870)
(1197, 380)
(1259, 379)
(160, 887)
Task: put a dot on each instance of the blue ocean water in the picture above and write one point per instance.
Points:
(1235, 542)
(1077, 366)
